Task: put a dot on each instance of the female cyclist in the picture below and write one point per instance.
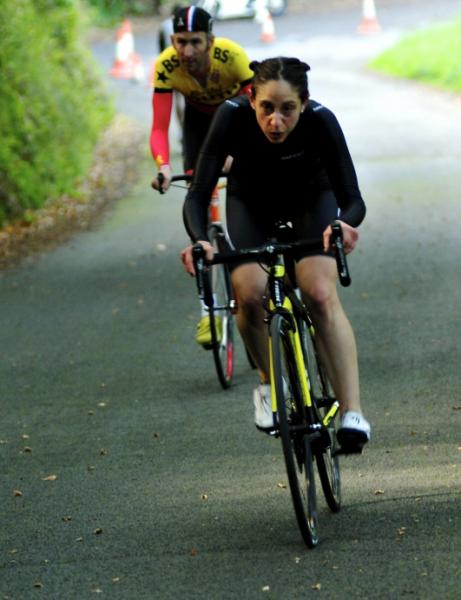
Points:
(290, 163)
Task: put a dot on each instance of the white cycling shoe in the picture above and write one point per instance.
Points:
(264, 417)
(354, 432)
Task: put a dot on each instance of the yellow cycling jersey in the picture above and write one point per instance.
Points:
(229, 72)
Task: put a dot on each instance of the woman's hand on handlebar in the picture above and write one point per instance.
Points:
(162, 181)
(186, 255)
(350, 237)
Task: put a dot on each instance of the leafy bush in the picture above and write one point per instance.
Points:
(52, 104)
(108, 11)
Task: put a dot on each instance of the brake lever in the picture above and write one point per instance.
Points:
(161, 180)
(340, 254)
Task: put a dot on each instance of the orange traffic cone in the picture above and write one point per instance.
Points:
(127, 64)
(267, 26)
(369, 23)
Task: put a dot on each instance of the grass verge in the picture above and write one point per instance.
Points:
(431, 56)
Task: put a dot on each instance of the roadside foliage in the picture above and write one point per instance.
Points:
(53, 105)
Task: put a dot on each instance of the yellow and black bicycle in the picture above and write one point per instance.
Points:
(303, 402)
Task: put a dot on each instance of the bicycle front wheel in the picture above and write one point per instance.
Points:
(221, 316)
(293, 430)
(323, 399)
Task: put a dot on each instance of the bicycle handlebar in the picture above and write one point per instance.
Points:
(272, 248)
(181, 177)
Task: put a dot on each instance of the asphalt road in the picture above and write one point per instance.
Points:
(126, 471)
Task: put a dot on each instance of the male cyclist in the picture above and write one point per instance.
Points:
(206, 71)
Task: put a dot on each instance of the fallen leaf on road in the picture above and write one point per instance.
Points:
(317, 586)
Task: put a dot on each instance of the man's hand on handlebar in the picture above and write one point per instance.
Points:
(350, 237)
(186, 255)
(162, 181)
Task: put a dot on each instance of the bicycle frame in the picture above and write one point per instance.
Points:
(281, 302)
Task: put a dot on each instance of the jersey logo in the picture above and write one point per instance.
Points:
(162, 77)
(290, 156)
(222, 55)
(170, 65)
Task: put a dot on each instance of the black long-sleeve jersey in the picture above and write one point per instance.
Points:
(276, 181)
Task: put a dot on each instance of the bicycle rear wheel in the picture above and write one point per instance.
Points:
(296, 441)
(221, 316)
(323, 399)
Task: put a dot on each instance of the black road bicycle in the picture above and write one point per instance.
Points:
(303, 401)
(221, 304)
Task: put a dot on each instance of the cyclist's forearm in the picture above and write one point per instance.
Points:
(161, 105)
(206, 175)
(353, 212)
(195, 216)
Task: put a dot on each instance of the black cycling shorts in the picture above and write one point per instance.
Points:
(247, 229)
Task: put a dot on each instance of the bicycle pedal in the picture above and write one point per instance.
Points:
(351, 442)
(345, 450)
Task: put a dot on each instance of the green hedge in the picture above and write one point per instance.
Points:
(108, 11)
(52, 104)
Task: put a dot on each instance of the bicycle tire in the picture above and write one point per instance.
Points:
(222, 338)
(296, 443)
(323, 398)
